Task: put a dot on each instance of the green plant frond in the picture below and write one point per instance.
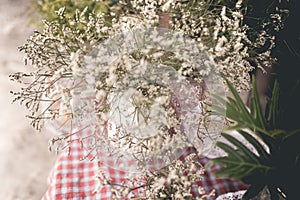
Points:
(218, 98)
(237, 126)
(252, 107)
(276, 132)
(232, 153)
(234, 115)
(249, 155)
(245, 171)
(291, 133)
(217, 110)
(237, 168)
(245, 125)
(232, 103)
(257, 106)
(256, 125)
(239, 102)
(233, 108)
(254, 119)
(230, 171)
(241, 162)
(273, 105)
(257, 145)
(238, 115)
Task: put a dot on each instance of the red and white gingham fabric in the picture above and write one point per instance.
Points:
(72, 178)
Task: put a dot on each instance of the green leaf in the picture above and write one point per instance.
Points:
(259, 148)
(218, 98)
(218, 110)
(236, 168)
(273, 108)
(257, 106)
(230, 171)
(291, 133)
(232, 104)
(249, 155)
(232, 154)
(234, 113)
(241, 162)
(276, 132)
(238, 101)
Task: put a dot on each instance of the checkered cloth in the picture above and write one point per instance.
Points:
(73, 178)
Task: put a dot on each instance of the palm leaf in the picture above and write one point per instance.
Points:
(217, 110)
(261, 121)
(240, 161)
(238, 102)
(273, 106)
(250, 155)
(219, 99)
(256, 169)
(257, 145)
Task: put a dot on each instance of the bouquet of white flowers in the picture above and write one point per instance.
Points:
(143, 90)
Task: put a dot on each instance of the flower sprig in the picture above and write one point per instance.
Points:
(48, 89)
(134, 97)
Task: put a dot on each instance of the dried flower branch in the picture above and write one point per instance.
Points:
(141, 90)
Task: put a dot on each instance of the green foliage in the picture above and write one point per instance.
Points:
(254, 119)
(242, 162)
(273, 168)
(49, 9)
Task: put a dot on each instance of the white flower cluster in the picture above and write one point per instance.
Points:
(180, 181)
(148, 10)
(176, 181)
(145, 87)
(56, 53)
(148, 84)
(147, 93)
(222, 32)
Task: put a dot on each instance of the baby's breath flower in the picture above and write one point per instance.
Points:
(135, 99)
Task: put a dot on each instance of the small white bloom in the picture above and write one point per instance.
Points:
(166, 6)
(111, 80)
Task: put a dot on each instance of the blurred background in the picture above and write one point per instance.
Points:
(24, 158)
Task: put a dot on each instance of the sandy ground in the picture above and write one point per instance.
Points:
(24, 158)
